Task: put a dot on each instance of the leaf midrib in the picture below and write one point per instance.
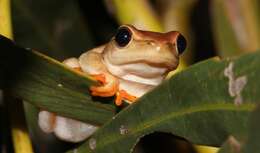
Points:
(247, 106)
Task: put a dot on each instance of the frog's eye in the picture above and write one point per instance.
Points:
(181, 44)
(123, 36)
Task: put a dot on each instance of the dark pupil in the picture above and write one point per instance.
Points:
(181, 44)
(123, 37)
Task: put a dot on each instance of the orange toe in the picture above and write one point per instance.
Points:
(123, 95)
(102, 91)
(102, 94)
(119, 99)
(99, 77)
(108, 88)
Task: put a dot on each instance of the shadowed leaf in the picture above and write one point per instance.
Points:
(249, 142)
(50, 85)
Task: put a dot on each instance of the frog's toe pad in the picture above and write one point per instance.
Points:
(96, 92)
(107, 90)
(100, 77)
(123, 95)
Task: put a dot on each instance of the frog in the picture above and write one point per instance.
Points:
(131, 64)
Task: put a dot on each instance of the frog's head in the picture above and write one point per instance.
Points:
(132, 46)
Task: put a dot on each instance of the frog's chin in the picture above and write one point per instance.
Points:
(164, 60)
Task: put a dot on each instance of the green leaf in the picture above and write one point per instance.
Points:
(249, 142)
(231, 145)
(196, 104)
(58, 29)
(253, 139)
(48, 84)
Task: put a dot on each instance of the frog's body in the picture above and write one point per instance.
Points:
(130, 65)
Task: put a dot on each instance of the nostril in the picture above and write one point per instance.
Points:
(181, 44)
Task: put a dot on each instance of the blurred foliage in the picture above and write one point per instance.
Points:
(236, 26)
(176, 15)
(5, 19)
(56, 26)
(15, 135)
(146, 20)
(64, 28)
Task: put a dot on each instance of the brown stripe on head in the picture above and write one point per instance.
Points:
(169, 37)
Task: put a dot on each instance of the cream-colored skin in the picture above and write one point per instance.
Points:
(135, 68)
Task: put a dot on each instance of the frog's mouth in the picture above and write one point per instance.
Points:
(141, 68)
(169, 61)
(166, 64)
(138, 72)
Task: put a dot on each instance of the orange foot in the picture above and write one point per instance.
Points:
(123, 95)
(108, 88)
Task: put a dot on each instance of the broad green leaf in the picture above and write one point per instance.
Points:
(50, 85)
(232, 145)
(250, 141)
(197, 104)
(253, 137)
(235, 26)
